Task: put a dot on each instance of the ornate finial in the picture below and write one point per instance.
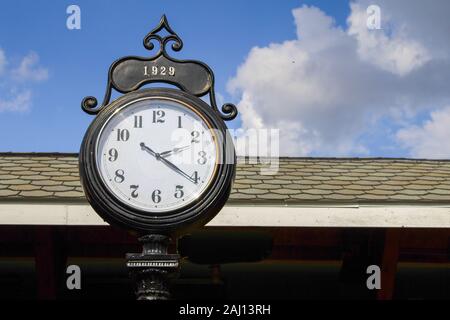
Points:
(153, 35)
(131, 73)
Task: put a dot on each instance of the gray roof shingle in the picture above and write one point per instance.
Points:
(53, 176)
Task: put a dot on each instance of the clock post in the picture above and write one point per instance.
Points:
(152, 268)
(130, 182)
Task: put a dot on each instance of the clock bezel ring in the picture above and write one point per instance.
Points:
(197, 212)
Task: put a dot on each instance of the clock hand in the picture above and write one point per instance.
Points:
(175, 168)
(173, 151)
(149, 150)
(166, 162)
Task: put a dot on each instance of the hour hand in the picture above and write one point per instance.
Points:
(173, 151)
(166, 162)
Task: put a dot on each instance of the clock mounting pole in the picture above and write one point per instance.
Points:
(152, 269)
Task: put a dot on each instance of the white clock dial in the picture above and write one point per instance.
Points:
(157, 154)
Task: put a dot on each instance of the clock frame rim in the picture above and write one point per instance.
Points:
(118, 109)
(196, 213)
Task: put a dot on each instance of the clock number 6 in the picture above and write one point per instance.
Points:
(156, 196)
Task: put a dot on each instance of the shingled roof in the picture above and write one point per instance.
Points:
(54, 177)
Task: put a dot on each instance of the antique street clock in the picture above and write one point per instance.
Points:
(158, 161)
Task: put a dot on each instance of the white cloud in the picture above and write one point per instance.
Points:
(432, 139)
(329, 86)
(15, 91)
(29, 70)
(2, 61)
(396, 53)
(17, 102)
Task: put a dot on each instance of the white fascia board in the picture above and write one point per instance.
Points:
(233, 215)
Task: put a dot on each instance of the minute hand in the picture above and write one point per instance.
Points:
(149, 150)
(175, 168)
(166, 162)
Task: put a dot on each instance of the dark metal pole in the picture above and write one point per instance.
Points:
(151, 269)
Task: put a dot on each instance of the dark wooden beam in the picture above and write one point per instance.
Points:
(361, 249)
(416, 245)
(50, 260)
(389, 264)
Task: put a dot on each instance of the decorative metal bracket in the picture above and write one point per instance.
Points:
(152, 268)
(131, 73)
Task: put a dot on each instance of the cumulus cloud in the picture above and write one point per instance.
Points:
(430, 140)
(328, 87)
(16, 102)
(2, 61)
(397, 53)
(15, 82)
(29, 69)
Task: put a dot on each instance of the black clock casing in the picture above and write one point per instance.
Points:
(197, 213)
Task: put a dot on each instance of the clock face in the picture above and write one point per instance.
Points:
(157, 154)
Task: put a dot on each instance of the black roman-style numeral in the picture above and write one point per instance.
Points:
(158, 116)
(120, 176)
(195, 135)
(113, 154)
(134, 193)
(179, 193)
(156, 196)
(202, 160)
(123, 135)
(138, 121)
(195, 176)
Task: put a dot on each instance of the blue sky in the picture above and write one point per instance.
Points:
(220, 33)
